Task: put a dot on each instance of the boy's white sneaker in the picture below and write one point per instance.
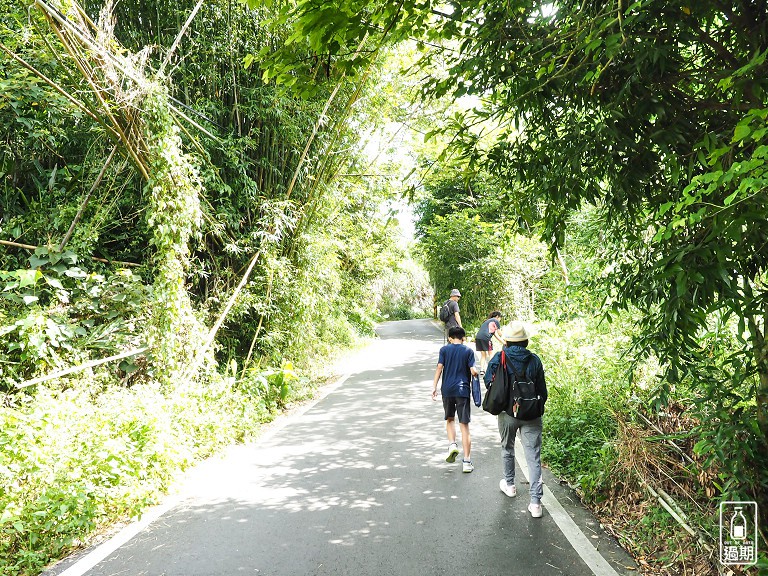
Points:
(453, 451)
(535, 510)
(508, 489)
(467, 466)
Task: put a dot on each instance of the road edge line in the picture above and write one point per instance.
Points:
(578, 540)
(126, 534)
(102, 551)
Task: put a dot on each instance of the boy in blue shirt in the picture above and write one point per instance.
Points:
(456, 364)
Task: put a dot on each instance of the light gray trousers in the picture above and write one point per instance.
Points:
(530, 438)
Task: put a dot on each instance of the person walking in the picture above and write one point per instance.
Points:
(456, 366)
(452, 318)
(489, 330)
(521, 364)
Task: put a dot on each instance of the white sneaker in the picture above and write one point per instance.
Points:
(453, 451)
(508, 489)
(535, 510)
(467, 466)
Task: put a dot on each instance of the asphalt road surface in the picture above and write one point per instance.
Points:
(356, 483)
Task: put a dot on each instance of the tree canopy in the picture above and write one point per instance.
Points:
(186, 180)
(652, 112)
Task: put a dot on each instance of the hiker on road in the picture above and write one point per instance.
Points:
(490, 329)
(456, 365)
(522, 365)
(452, 318)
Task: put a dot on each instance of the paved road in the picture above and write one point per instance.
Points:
(356, 484)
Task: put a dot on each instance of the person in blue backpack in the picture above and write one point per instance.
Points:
(456, 365)
(522, 364)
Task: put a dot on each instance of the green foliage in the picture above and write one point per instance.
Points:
(402, 291)
(270, 388)
(334, 37)
(73, 460)
(588, 395)
(173, 215)
(57, 313)
(494, 268)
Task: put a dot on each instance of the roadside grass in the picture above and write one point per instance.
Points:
(598, 437)
(77, 458)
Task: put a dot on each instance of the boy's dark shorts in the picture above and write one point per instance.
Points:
(482, 345)
(456, 404)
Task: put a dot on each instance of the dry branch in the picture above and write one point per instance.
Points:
(80, 368)
(675, 511)
(85, 201)
(179, 36)
(200, 353)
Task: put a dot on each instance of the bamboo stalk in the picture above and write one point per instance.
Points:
(80, 368)
(236, 103)
(53, 85)
(667, 507)
(64, 23)
(96, 90)
(311, 139)
(316, 127)
(84, 204)
(179, 36)
(193, 123)
(17, 245)
(200, 353)
(674, 510)
(325, 165)
(258, 328)
(89, 42)
(667, 440)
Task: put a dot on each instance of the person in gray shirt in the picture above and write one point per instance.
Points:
(454, 318)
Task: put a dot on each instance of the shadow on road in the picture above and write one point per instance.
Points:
(356, 485)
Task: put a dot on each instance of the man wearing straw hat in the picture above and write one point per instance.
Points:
(521, 364)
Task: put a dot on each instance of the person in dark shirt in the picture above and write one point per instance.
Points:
(456, 365)
(453, 308)
(526, 364)
(490, 329)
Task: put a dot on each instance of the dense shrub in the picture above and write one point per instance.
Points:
(76, 459)
(588, 394)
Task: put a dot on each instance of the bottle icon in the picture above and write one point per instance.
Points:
(738, 525)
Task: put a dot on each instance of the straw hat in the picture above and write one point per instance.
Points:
(515, 332)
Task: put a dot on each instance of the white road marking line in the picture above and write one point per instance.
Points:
(569, 528)
(103, 551)
(107, 548)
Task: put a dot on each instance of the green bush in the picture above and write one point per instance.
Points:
(76, 459)
(588, 391)
(56, 313)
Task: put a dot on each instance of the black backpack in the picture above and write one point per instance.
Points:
(496, 399)
(445, 312)
(525, 403)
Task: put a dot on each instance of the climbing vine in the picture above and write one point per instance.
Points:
(172, 193)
